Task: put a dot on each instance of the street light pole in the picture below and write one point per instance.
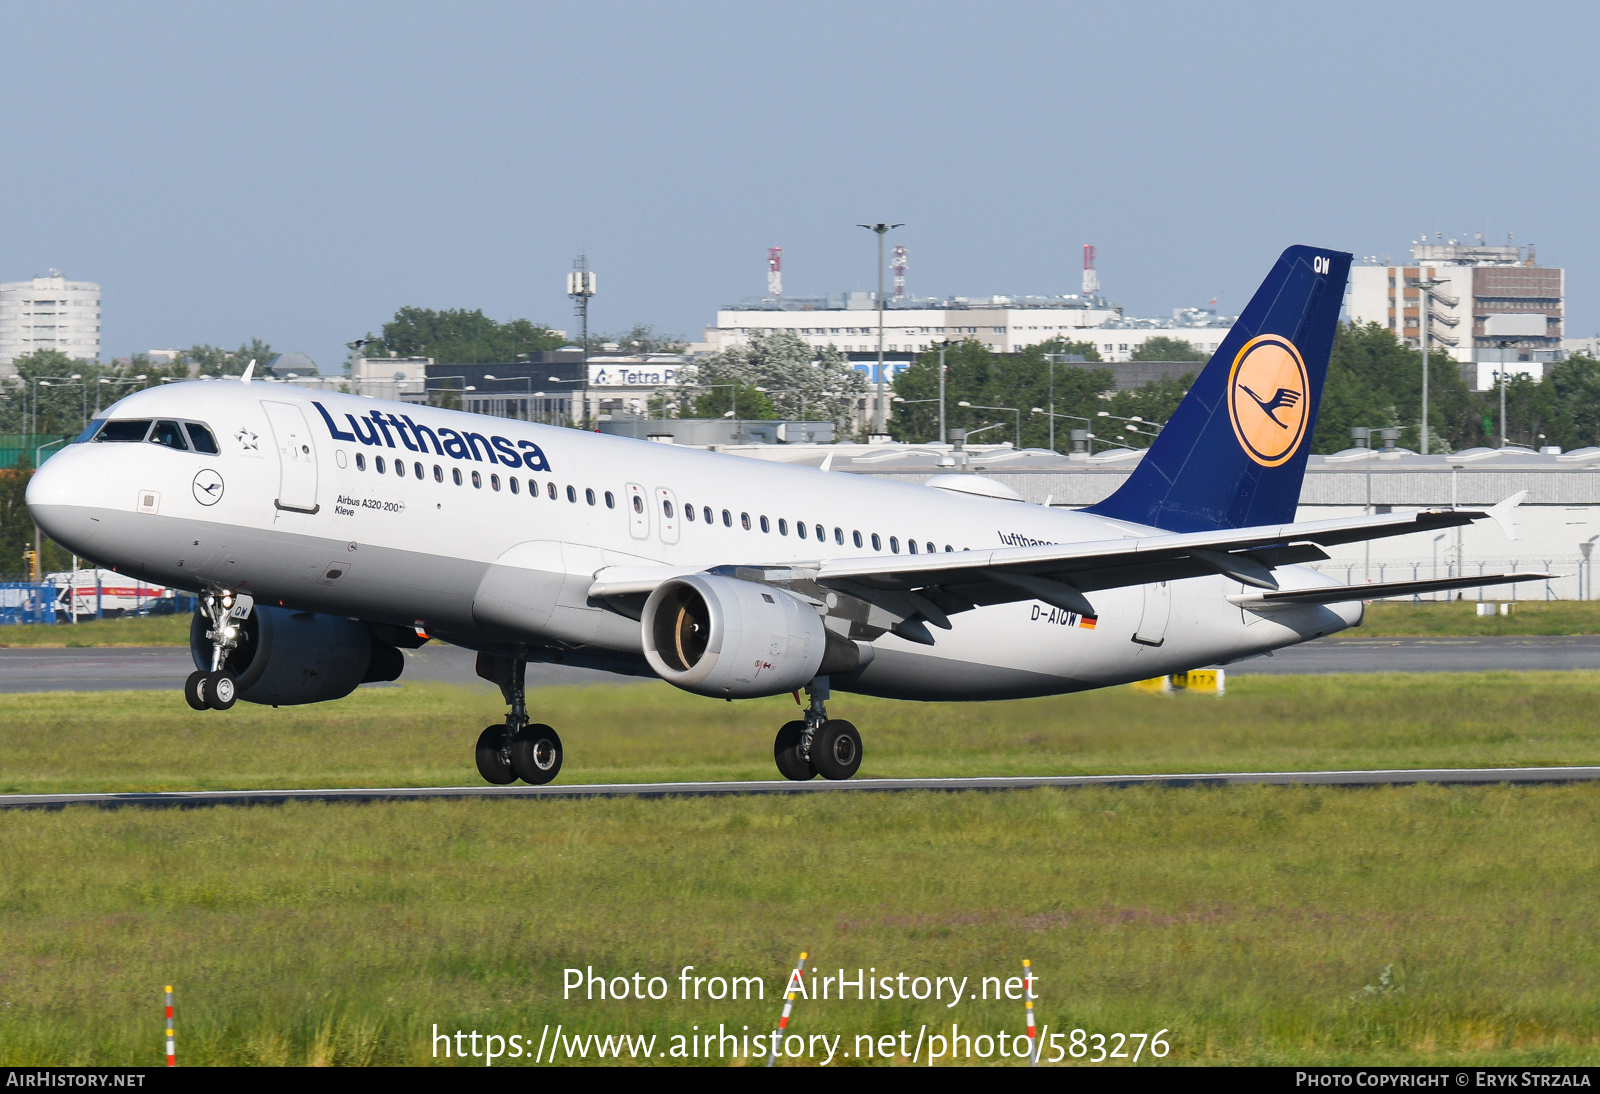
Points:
(1014, 410)
(881, 229)
(941, 341)
(1503, 392)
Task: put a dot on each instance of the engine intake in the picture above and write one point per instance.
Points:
(733, 639)
(285, 658)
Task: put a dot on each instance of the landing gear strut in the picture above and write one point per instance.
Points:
(516, 749)
(817, 745)
(216, 688)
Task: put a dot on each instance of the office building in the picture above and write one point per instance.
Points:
(1492, 306)
(48, 313)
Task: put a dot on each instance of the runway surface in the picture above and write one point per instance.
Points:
(155, 668)
(1474, 776)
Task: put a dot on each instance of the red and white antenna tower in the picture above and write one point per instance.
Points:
(899, 268)
(774, 271)
(1091, 279)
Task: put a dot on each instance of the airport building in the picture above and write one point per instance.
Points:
(1557, 526)
(849, 322)
(1492, 307)
(48, 313)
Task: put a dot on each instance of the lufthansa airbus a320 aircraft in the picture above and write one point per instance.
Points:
(327, 532)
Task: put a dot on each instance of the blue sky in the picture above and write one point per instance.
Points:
(296, 172)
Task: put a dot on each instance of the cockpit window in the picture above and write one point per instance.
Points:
(124, 431)
(88, 434)
(169, 434)
(201, 440)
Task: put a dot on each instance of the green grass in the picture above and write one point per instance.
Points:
(151, 630)
(422, 735)
(1457, 618)
(1249, 922)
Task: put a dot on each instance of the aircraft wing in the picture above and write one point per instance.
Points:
(900, 592)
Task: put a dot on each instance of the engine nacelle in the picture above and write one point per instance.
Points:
(285, 658)
(732, 639)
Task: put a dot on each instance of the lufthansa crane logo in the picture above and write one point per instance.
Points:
(1267, 394)
(208, 487)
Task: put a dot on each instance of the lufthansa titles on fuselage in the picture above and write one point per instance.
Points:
(379, 429)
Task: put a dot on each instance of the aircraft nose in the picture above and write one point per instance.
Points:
(64, 497)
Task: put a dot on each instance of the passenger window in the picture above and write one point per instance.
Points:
(783, 527)
(455, 474)
(170, 435)
(416, 469)
(856, 536)
(124, 431)
(688, 511)
(378, 465)
(948, 549)
(930, 549)
(822, 533)
(438, 472)
(877, 544)
(361, 462)
(765, 526)
(666, 508)
(705, 511)
(400, 468)
(201, 440)
(494, 482)
(638, 504)
(744, 519)
(477, 481)
(727, 519)
(611, 501)
(894, 545)
(515, 487)
(588, 496)
(912, 544)
(572, 494)
(838, 536)
(800, 528)
(550, 490)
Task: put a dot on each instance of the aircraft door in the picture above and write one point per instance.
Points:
(638, 512)
(1157, 610)
(667, 503)
(297, 457)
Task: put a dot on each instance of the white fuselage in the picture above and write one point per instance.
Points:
(302, 515)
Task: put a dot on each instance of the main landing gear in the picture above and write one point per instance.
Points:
(817, 744)
(225, 613)
(516, 749)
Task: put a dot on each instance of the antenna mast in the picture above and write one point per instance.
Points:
(774, 272)
(899, 268)
(1091, 279)
(581, 286)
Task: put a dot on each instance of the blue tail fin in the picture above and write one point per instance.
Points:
(1235, 450)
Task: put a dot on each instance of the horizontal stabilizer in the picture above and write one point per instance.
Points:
(1344, 594)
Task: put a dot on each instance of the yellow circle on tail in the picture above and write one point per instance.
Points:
(1268, 399)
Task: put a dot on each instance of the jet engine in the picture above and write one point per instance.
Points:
(733, 639)
(285, 657)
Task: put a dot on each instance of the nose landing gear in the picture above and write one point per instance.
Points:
(516, 749)
(817, 745)
(225, 611)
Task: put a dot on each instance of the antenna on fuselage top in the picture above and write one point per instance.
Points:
(249, 370)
